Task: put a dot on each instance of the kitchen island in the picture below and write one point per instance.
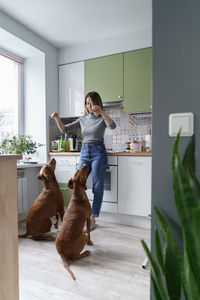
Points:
(9, 279)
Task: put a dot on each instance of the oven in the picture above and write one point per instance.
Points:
(110, 199)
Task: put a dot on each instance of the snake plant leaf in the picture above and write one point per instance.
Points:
(175, 148)
(171, 249)
(189, 157)
(155, 289)
(163, 226)
(197, 184)
(156, 272)
(189, 162)
(186, 202)
(190, 283)
(183, 188)
(173, 268)
(191, 274)
(191, 241)
(196, 230)
(158, 248)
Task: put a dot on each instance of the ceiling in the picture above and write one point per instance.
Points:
(69, 22)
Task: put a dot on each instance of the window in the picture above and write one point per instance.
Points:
(11, 121)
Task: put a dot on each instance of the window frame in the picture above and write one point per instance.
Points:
(21, 99)
(20, 62)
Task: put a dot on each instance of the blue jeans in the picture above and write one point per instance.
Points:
(94, 155)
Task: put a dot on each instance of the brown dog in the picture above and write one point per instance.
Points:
(71, 240)
(49, 203)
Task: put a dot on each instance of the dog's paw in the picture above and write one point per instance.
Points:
(90, 243)
(87, 253)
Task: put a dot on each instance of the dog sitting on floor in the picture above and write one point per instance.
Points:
(71, 240)
(49, 203)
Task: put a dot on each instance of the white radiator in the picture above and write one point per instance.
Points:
(22, 191)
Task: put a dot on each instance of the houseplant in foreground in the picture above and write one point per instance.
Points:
(21, 144)
(173, 274)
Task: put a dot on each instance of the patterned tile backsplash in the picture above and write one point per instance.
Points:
(128, 126)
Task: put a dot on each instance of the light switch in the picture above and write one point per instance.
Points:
(185, 121)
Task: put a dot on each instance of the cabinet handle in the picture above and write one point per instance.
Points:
(120, 97)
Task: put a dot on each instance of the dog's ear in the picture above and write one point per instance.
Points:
(52, 164)
(73, 179)
(70, 184)
(40, 174)
(46, 175)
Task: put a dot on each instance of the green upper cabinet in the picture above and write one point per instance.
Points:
(105, 76)
(138, 80)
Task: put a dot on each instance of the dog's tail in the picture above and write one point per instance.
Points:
(66, 265)
(23, 235)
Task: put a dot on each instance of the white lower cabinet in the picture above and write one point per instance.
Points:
(65, 169)
(21, 190)
(134, 185)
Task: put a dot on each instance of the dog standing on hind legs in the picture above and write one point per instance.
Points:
(71, 240)
(49, 203)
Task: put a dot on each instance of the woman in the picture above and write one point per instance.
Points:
(93, 152)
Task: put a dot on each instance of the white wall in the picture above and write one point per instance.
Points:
(121, 43)
(50, 93)
(35, 106)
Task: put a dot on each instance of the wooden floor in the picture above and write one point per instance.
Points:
(113, 271)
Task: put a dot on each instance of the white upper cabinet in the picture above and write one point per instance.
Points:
(71, 90)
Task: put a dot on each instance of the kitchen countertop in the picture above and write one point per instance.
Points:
(26, 166)
(10, 156)
(20, 165)
(108, 153)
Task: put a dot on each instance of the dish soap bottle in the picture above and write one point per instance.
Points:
(67, 143)
(62, 144)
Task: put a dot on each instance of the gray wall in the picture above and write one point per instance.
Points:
(176, 88)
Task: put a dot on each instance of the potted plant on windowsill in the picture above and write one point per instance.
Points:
(21, 144)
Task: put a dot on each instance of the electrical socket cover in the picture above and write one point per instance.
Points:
(185, 121)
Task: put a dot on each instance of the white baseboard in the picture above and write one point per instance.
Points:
(129, 220)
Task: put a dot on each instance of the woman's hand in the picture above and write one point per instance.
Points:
(59, 123)
(55, 115)
(96, 109)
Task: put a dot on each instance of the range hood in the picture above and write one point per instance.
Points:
(113, 104)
